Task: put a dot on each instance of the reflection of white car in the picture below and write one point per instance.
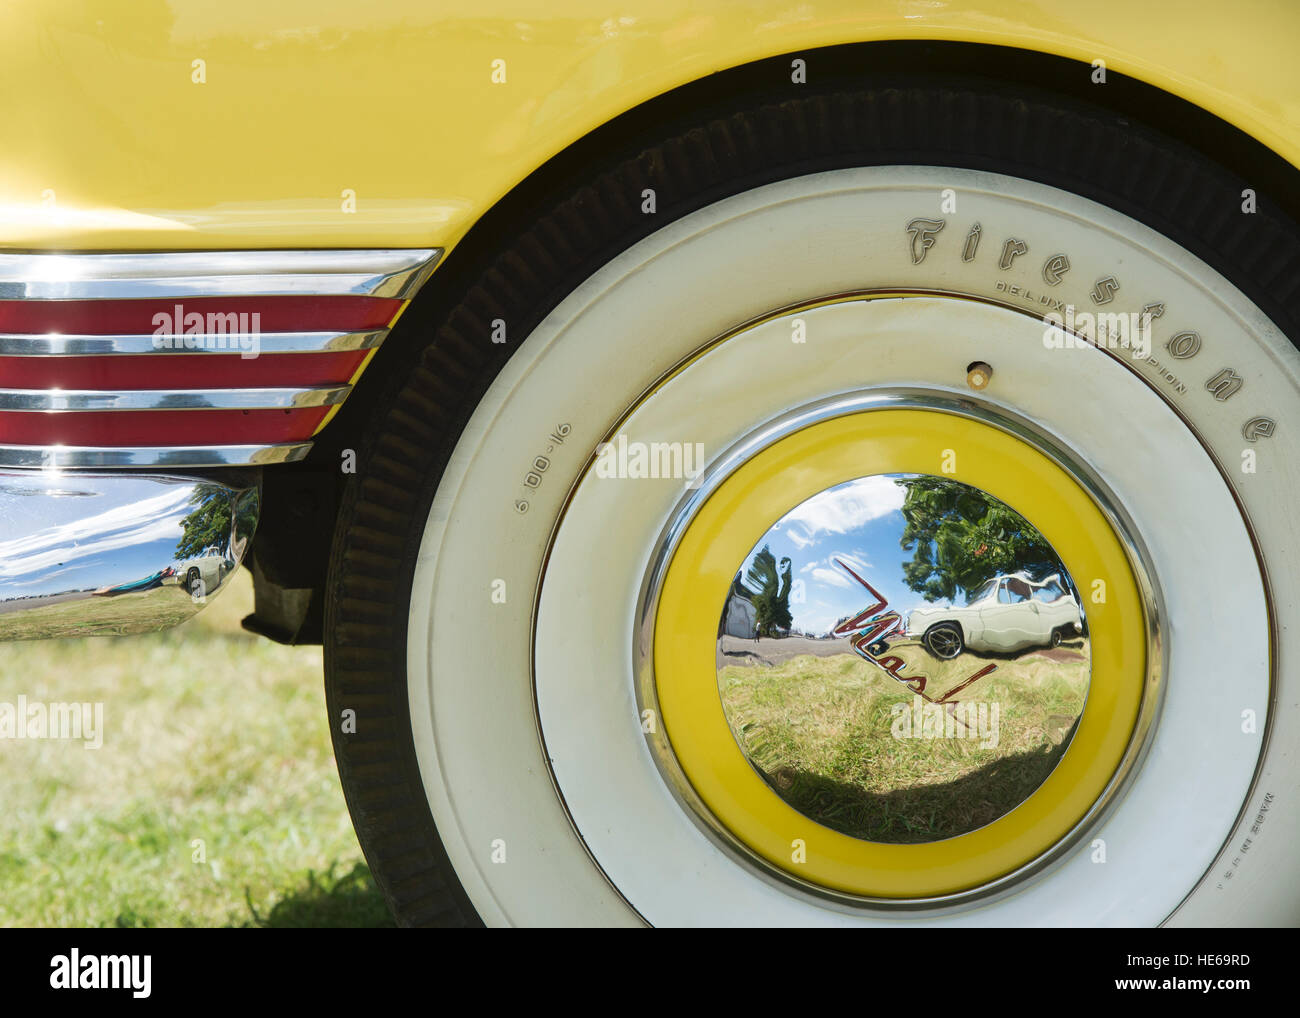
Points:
(1007, 613)
(204, 574)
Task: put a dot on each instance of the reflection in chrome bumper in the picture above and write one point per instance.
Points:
(112, 554)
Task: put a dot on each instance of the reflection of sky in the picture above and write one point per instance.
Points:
(859, 523)
(83, 538)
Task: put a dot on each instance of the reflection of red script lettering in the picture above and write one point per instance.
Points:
(877, 629)
(960, 686)
(870, 626)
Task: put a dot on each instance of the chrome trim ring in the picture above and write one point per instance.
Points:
(373, 273)
(73, 401)
(70, 457)
(17, 345)
(903, 398)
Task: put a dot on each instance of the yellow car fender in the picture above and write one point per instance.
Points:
(179, 124)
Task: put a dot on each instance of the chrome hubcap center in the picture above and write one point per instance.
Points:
(903, 658)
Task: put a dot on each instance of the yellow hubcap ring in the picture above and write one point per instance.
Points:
(762, 490)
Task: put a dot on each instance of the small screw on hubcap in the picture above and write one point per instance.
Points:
(978, 374)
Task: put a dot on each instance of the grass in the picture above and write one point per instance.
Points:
(137, 612)
(214, 800)
(819, 730)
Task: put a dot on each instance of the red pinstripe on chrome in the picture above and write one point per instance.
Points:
(149, 371)
(116, 429)
(277, 314)
(189, 325)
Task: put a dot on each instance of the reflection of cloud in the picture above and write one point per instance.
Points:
(842, 509)
(835, 579)
(124, 526)
(854, 560)
(824, 570)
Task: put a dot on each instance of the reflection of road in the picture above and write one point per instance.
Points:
(39, 602)
(733, 650)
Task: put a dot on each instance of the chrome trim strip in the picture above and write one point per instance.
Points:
(74, 400)
(365, 273)
(55, 345)
(82, 457)
(866, 401)
(110, 554)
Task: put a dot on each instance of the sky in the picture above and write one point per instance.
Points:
(84, 537)
(858, 522)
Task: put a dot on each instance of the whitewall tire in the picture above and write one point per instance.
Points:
(520, 607)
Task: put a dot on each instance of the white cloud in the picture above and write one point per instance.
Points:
(830, 576)
(825, 570)
(854, 560)
(124, 526)
(842, 510)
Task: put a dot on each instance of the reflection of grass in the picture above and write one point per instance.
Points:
(819, 729)
(138, 610)
(211, 735)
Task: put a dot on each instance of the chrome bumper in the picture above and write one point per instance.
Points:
(113, 554)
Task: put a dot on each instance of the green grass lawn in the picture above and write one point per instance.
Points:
(819, 730)
(211, 736)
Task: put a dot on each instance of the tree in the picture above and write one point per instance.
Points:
(959, 537)
(770, 592)
(209, 525)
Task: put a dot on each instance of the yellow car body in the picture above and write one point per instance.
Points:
(183, 125)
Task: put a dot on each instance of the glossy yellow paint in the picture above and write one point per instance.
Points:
(775, 481)
(107, 141)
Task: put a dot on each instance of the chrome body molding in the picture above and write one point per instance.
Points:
(329, 308)
(112, 554)
(73, 401)
(69, 457)
(53, 345)
(366, 273)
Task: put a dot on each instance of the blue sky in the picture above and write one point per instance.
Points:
(84, 538)
(858, 522)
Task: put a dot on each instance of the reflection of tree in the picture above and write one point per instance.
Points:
(960, 537)
(209, 525)
(770, 592)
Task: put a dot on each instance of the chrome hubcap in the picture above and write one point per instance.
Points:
(890, 658)
(904, 786)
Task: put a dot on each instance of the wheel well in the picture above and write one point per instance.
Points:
(300, 501)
